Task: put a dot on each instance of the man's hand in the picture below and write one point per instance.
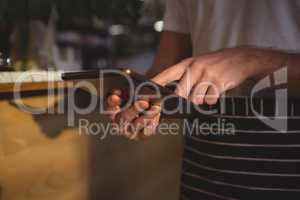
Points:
(137, 122)
(202, 79)
(179, 47)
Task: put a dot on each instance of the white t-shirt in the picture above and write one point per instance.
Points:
(217, 24)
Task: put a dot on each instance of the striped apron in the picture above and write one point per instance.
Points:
(236, 154)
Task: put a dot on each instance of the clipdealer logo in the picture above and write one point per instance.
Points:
(279, 121)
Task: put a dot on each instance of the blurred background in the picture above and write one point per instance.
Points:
(79, 34)
(40, 156)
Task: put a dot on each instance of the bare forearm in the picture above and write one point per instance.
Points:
(293, 65)
(292, 62)
(267, 61)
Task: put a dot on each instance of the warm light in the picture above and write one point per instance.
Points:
(158, 26)
(128, 71)
(117, 29)
(8, 61)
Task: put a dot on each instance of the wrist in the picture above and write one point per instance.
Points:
(268, 61)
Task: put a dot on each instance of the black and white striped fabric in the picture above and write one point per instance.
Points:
(256, 162)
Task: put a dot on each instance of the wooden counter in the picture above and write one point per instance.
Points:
(42, 158)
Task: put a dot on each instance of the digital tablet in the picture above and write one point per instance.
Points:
(134, 86)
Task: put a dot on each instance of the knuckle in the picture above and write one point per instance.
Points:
(195, 66)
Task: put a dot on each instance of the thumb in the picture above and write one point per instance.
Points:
(173, 73)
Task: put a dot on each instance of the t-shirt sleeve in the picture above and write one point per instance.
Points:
(175, 18)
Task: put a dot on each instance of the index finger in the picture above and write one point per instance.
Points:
(173, 73)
